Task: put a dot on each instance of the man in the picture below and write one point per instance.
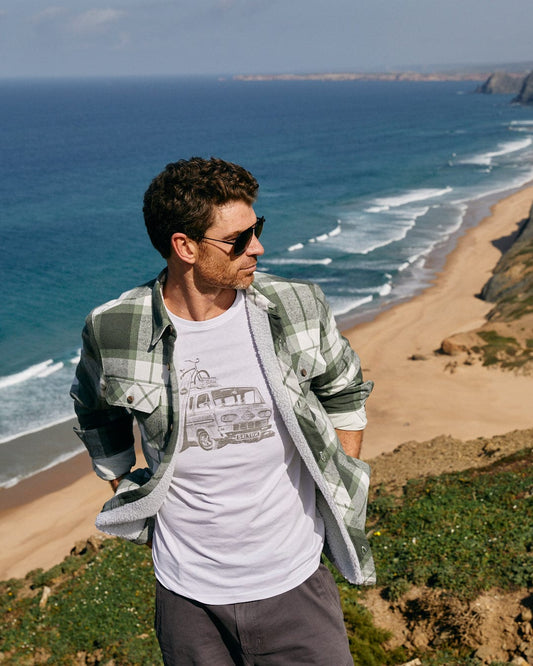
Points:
(250, 407)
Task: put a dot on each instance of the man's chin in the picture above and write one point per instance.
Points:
(244, 282)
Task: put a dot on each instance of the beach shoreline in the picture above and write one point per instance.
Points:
(418, 399)
(48, 480)
(413, 400)
(477, 211)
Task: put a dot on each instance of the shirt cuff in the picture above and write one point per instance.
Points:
(114, 466)
(349, 420)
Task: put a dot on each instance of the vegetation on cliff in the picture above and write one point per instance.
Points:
(506, 339)
(438, 541)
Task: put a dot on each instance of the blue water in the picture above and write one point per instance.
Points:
(362, 185)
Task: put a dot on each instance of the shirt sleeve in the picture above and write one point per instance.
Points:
(340, 388)
(106, 430)
(350, 421)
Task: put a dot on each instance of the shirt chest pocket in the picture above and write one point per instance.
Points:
(307, 365)
(145, 401)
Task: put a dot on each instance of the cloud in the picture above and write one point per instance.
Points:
(95, 20)
(47, 14)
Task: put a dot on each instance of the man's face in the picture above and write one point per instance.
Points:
(217, 265)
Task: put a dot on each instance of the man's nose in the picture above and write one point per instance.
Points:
(255, 247)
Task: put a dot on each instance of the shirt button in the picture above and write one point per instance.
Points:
(303, 372)
(129, 399)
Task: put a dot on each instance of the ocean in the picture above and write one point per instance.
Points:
(364, 185)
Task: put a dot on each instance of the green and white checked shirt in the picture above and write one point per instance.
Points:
(126, 371)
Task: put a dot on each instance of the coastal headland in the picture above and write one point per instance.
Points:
(420, 394)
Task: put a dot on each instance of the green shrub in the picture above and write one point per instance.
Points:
(463, 532)
(100, 605)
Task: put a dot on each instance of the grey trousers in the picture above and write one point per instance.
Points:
(302, 626)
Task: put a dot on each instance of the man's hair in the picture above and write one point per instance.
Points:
(183, 196)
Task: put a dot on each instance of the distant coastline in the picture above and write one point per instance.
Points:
(362, 76)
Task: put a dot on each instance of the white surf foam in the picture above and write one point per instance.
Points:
(43, 426)
(396, 230)
(486, 159)
(349, 306)
(336, 231)
(317, 239)
(385, 289)
(36, 370)
(13, 481)
(382, 204)
(51, 369)
(302, 262)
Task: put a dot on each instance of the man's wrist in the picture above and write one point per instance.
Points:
(351, 441)
(114, 482)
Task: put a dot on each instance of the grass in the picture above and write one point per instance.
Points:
(100, 611)
(502, 350)
(463, 533)
(101, 605)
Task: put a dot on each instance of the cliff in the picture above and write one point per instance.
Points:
(525, 96)
(506, 339)
(512, 281)
(501, 83)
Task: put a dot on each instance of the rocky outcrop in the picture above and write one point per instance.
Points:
(506, 339)
(525, 96)
(501, 83)
(496, 626)
(506, 83)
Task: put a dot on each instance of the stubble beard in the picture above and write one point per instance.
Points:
(214, 276)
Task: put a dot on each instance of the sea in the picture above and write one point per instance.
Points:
(365, 187)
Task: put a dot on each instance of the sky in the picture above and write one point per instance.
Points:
(43, 38)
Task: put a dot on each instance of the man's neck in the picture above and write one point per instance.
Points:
(183, 299)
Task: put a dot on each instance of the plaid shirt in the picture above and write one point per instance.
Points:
(126, 371)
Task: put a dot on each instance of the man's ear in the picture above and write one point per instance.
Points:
(184, 248)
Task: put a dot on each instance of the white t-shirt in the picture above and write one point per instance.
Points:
(239, 522)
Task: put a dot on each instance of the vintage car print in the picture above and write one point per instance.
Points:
(218, 416)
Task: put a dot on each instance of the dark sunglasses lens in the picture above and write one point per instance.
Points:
(259, 226)
(242, 240)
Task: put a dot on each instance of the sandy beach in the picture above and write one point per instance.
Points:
(419, 399)
(413, 399)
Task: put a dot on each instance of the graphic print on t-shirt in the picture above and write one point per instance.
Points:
(218, 415)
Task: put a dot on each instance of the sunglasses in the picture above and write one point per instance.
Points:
(242, 241)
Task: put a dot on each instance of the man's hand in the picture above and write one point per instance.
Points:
(351, 441)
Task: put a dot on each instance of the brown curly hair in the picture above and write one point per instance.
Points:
(183, 196)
